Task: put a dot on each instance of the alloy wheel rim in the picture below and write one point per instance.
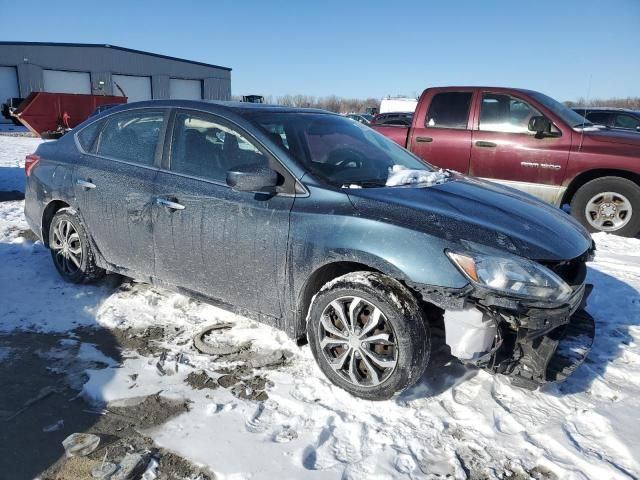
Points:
(357, 341)
(608, 211)
(67, 247)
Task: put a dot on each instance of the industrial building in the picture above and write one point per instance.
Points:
(27, 67)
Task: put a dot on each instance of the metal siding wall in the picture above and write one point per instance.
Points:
(31, 59)
(217, 89)
(29, 78)
(106, 88)
(160, 86)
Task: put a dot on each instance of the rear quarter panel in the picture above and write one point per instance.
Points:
(51, 179)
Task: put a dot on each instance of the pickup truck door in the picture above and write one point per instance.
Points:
(506, 151)
(441, 132)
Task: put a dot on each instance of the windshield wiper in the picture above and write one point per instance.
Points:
(364, 184)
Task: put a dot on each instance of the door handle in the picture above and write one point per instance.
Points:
(163, 202)
(86, 184)
(424, 139)
(482, 143)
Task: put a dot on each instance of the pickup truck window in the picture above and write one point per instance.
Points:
(571, 118)
(504, 113)
(449, 110)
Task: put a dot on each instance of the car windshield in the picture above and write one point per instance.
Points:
(339, 151)
(575, 120)
(366, 116)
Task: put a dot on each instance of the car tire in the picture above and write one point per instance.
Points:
(71, 249)
(600, 204)
(378, 359)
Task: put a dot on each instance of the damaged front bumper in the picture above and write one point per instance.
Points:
(533, 343)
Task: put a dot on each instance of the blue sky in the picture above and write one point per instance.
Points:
(565, 48)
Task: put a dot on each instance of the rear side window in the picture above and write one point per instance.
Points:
(449, 110)
(131, 136)
(87, 136)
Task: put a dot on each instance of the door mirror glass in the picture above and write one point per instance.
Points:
(253, 178)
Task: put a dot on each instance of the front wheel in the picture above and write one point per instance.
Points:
(608, 204)
(368, 335)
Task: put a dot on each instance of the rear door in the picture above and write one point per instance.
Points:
(114, 185)
(230, 246)
(444, 139)
(505, 150)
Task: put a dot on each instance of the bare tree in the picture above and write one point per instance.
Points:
(629, 102)
(331, 103)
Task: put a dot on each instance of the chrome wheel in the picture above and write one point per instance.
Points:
(65, 242)
(608, 211)
(357, 341)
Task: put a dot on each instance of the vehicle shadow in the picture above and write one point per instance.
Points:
(12, 180)
(615, 306)
(48, 339)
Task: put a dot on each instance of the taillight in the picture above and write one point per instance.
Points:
(30, 161)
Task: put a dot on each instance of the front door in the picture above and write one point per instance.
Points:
(505, 150)
(445, 138)
(230, 246)
(114, 187)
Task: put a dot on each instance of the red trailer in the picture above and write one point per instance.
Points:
(51, 115)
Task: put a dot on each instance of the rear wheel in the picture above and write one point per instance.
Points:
(71, 250)
(368, 335)
(608, 204)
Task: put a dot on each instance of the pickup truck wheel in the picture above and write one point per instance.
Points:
(608, 204)
(71, 249)
(368, 335)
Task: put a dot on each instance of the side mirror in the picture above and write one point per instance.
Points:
(638, 128)
(252, 178)
(540, 124)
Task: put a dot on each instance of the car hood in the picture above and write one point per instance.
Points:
(615, 136)
(468, 209)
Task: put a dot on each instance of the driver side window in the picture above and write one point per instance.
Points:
(504, 113)
(204, 148)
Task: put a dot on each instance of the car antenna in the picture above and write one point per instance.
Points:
(584, 117)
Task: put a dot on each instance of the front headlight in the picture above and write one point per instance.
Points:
(511, 275)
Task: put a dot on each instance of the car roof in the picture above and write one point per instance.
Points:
(213, 105)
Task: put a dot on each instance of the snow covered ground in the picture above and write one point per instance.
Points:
(457, 421)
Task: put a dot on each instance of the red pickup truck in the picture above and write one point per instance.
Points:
(531, 142)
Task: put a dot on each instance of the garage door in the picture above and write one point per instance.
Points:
(136, 89)
(8, 87)
(185, 89)
(57, 81)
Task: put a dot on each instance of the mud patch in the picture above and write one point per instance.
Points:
(145, 342)
(200, 380)
(121, 427)
(152, 411)
(244, 383)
